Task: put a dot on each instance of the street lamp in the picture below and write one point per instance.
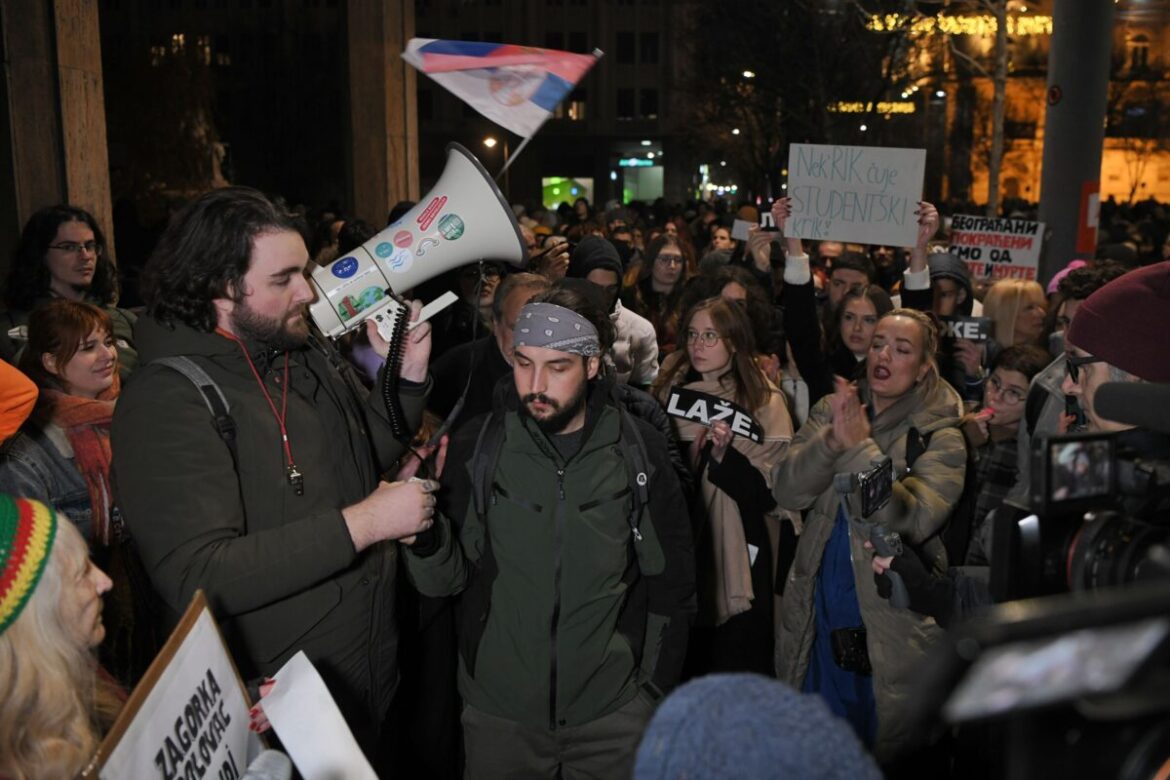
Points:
(489, 142)
(747, 74)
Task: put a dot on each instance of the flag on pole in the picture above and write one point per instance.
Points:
(517, 87)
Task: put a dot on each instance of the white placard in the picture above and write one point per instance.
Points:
(996, 248)
(189, 715)
(310, 726)
(859, 194)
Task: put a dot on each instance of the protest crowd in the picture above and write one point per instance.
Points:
(591, 524)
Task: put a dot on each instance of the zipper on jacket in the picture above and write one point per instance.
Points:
(558, 528)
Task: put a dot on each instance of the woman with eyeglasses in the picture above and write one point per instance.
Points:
(737, 540)
(63, 254)
(838, 636)
(991, 433)
(654, 288)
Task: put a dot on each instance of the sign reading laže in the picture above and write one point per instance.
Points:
(860, 194)
(995, 248)
(188, 717)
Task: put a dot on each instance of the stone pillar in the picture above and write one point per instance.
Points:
(53, 133)
(383, 143)
(1074, 129)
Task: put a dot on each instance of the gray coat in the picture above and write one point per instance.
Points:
(922, 500)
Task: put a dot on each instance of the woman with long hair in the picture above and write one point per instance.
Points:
(838, 637)
(56, 702)
(63, 254)
(1017, 309)
(61, 456)
(654, 288)
(717, 356)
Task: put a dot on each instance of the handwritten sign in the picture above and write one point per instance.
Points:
(188, 718)
(997, 248)
(864, 194)
(705, 409)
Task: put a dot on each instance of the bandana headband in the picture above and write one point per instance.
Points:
(555, 327)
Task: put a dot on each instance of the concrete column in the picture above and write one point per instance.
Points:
(1074, 129)
(52, 113)
(383, 147)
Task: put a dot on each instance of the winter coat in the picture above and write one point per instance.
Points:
(279, 569)
(898, 639)
(565, 616)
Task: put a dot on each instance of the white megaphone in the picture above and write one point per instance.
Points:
(463, 219)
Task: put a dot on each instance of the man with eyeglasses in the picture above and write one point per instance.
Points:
(62, 254)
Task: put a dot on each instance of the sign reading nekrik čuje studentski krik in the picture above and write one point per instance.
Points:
(188, 717)
(860, 194)
(997, 248)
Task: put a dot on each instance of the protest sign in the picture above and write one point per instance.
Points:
(322, 747)
(188, 717)
(704, 408)
(864, 194)
(996, 248)
(969, 328)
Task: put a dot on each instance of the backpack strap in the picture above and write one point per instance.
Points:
(217, 402)
(916, 444)
(484, 460)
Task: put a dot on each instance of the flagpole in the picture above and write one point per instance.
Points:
(508, 160)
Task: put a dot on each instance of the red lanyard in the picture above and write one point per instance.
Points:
(295, 478)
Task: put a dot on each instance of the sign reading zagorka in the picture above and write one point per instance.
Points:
(997, 248)
(188, 717)
(862, 194)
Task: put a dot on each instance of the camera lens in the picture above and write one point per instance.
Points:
(1114, 549)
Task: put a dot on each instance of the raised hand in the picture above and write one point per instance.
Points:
(850, 426)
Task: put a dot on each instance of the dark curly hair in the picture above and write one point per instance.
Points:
(205, 252)
(28, 277)
(1082, 282)
(574, 300)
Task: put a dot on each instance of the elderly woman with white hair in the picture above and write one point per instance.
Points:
(55, 701)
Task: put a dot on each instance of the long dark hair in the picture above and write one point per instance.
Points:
(732, 324)
(205, 252)
(29, 279)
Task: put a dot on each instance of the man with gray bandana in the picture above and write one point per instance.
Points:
(576, 571)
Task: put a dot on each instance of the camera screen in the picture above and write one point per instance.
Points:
(1036, 672)
(1079, 469)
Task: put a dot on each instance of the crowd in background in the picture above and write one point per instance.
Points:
(838, 351)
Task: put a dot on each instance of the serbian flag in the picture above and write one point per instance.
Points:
(517, 87)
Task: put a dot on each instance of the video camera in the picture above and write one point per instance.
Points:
(1098, 514)
(1076, 685)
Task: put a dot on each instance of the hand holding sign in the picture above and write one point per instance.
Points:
(927, 222)
(781, 211)
(759, 248)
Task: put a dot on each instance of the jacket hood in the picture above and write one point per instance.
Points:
(592, 253)
(158, 340)
(944, 265)
(932, 404)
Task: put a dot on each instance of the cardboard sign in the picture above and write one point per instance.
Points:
(862, 194)
(970, 328)
(997, 248)
(705, 409)
(188, 717)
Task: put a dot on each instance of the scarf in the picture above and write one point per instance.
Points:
(86, 423)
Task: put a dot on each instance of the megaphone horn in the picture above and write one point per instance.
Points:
(463, 219)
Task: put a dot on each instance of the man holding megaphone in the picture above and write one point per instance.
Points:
(248, 463)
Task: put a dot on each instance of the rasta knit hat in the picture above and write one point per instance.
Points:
(747, 725)
(27, 529)
(1125, 323)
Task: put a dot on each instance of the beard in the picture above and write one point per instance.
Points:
(561, 416)
(278, 335)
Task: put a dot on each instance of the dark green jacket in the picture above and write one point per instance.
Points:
(563, 614)
(279, 570)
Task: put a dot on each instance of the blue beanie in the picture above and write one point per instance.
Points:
(747, 725)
